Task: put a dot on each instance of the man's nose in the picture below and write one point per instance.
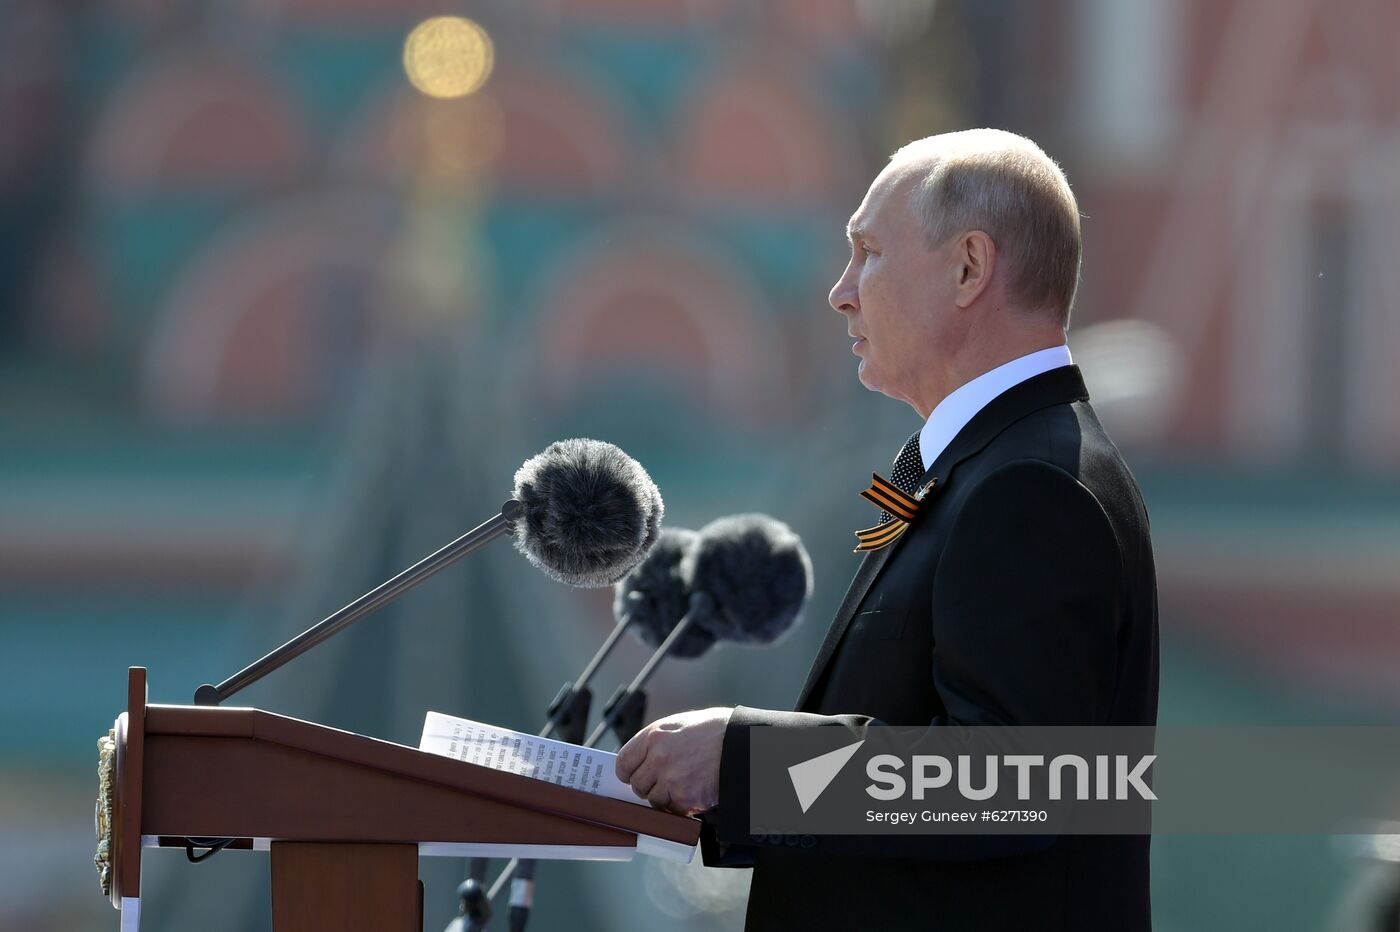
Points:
(843, 297)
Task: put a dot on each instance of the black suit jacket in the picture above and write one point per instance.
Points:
(1023, 594)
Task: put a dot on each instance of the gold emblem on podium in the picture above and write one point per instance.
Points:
(102, 817)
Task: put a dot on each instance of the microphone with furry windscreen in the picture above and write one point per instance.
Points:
(757, 574)
(583, 511)
(744, 578)
(654, 597)
(591, 512)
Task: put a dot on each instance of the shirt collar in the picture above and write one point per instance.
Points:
(953, 412)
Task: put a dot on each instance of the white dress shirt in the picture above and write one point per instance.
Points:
(953, 412)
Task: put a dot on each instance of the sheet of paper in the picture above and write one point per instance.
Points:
(558, 762)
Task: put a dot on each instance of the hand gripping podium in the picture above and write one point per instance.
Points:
(345, 816)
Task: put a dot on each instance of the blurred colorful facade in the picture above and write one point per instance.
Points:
(274, 323)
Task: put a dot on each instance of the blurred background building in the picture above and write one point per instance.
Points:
(286, 296)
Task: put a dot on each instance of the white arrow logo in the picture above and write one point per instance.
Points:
(811, 777)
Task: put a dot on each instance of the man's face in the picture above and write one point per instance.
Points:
(895, 290)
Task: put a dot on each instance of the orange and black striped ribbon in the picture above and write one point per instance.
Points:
(882, 535)
(888, 496)
(901, 505)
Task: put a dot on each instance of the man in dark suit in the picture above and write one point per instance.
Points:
(1022, 593)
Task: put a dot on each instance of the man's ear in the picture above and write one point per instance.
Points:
(976, 258)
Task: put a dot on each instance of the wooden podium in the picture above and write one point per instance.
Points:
(345, 817)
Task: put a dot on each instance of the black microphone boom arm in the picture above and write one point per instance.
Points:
(478, 536)
(622, 709)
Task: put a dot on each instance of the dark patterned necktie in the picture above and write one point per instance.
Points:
(898, 498)
(908, 470)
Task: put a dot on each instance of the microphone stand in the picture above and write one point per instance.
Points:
(568, 711)
(623, 714)
(567, 717)
(474, 910)
(477, 537)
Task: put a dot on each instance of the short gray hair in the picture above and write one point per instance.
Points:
(1006, 186)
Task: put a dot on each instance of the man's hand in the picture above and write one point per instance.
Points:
(673, 763)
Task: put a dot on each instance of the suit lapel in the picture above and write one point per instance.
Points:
(865, 578)
(1058, 386)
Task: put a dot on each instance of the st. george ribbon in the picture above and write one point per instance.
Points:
(744, 578)
(582, 511)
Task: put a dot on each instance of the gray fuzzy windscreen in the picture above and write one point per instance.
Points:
(655, 597)
(757, 573)
(590, 512)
